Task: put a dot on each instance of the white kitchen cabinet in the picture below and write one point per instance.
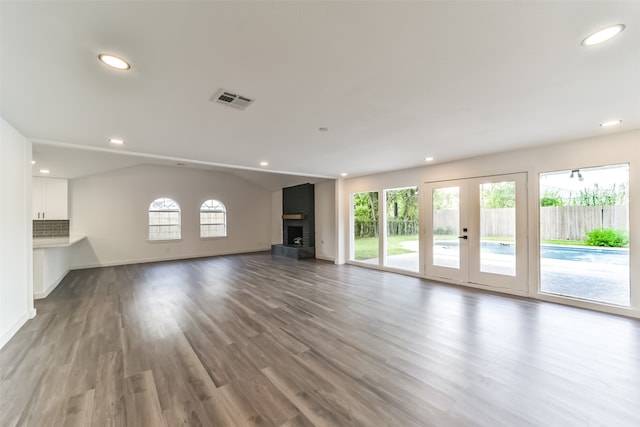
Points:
(50, 198)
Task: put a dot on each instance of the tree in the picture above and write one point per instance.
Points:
(498, 195)
(406, 200)
(445, 198)
(597, 196)
(365, 206)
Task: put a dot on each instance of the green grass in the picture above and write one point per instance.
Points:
(367, 247)
(444, 237)
(564, 242)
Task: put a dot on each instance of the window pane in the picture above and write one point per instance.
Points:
(213, 219)
(365, 227)
(498, 228)
(446, 227)
(584, 234)
(164, 219)
(402, 229)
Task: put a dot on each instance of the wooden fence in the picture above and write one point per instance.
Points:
(556, 222)
(570, 222)
(394, 228)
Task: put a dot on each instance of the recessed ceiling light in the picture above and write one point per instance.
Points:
(114, 62)
(323, 129)
(343, 174)
(428, 159)
(264, 163)
(45, 171)
(33, 162)
(603, 35)
(610, 123)
(116, 141)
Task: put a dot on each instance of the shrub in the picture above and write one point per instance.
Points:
(551, 199)
(607, 237)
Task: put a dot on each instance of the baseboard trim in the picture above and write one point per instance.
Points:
(51, 287)
(4, 339)
(174, 258)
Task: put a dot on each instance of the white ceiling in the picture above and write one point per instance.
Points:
(393, 81)
(70, 162)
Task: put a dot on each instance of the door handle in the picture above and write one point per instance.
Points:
(463, 237)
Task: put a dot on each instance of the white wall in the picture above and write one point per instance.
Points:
(16, 286)
(600, 151)
(276, 217)
(111, 209)
(325, 208)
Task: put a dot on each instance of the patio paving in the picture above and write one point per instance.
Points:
(593, 281)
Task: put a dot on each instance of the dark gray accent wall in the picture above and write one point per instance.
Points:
(299, 199)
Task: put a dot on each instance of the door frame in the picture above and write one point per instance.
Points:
(469, 271)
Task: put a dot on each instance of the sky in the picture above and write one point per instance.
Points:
(605, 177)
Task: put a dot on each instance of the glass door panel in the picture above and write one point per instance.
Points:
(498, 227)
(446, 227)
(478, 231)
(446, 218)
(401, 223)
(366, 243)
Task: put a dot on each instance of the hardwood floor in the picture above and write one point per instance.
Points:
(255, 340)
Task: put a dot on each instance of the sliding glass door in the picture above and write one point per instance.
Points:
(385, 228)
(365, 226)
(401, 229)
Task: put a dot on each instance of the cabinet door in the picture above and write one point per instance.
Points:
(37, 191)
(55, 200)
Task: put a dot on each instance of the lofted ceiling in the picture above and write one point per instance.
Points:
(394, 82)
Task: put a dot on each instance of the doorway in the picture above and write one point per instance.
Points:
(477, 231)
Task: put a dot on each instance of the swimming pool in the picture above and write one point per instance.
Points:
(588, 273)
(612, 256)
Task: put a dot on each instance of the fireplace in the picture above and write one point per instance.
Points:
(294, 235)
(298, 223)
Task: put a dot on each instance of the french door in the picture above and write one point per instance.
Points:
(476, 231)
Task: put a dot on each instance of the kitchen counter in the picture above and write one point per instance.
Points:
(56, 242)
(51, 262)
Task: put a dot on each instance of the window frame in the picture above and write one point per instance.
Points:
(166, 201)
(216, 203)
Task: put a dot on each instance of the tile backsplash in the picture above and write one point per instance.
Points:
(50, 228)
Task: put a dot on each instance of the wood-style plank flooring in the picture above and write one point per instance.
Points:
(254, 340)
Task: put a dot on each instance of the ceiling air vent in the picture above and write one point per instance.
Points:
(232, 99)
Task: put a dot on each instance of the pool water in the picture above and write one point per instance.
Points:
(601, 255)
(565, 253)
(588, 273)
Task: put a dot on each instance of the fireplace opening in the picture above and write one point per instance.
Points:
(294, 236)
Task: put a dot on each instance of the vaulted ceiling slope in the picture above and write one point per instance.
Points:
(393, 82)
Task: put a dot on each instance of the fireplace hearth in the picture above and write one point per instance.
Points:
(298, 223)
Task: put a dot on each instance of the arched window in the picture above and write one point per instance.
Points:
(213, 219)
(164, 219)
